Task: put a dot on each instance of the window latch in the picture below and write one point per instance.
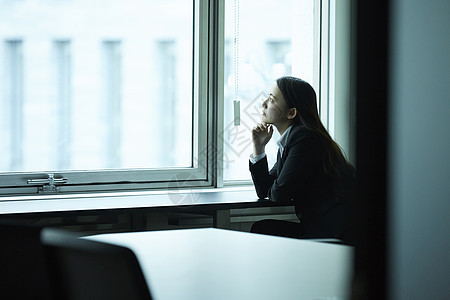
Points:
(48, 185)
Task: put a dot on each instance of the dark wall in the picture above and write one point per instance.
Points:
(402, 88)
(371, 41)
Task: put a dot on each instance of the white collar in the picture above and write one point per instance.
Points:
(283, 139)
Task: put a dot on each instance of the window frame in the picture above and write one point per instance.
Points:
(207, 124)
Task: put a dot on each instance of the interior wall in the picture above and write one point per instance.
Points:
(419, 165)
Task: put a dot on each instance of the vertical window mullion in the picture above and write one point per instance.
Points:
(331, 68)
(317, 28)
(216, 49)
(324, 62)
(201, 120)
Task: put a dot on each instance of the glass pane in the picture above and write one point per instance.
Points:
(90, 85)
(274, 38)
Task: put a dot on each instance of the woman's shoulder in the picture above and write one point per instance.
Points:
(304, 139)
(300, 132)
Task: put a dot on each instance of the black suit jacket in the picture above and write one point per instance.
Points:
(299, 176)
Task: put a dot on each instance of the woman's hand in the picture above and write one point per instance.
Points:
(261, 135)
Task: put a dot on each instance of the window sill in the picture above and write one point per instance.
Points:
(227, 196)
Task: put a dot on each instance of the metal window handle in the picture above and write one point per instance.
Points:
(48, 184)
(51, 180)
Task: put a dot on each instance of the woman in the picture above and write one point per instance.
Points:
(310, 170)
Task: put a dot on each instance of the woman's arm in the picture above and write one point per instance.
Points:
(262, 178)
(261, 135)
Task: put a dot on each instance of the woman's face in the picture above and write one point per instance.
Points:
(274, 108)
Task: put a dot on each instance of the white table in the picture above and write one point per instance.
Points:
(222, 264)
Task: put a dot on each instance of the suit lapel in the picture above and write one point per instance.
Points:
(280, 160)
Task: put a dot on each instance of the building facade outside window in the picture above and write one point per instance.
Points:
(125, 94)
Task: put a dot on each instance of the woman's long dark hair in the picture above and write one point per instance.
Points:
(300, 95)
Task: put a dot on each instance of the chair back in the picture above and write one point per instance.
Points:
(85, 269)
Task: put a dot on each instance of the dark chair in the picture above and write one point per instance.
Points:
(23, 273)
(85, 269)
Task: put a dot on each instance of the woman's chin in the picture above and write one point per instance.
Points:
(265, 120)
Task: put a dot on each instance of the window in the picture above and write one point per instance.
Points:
(264, 40)
(126, 95)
